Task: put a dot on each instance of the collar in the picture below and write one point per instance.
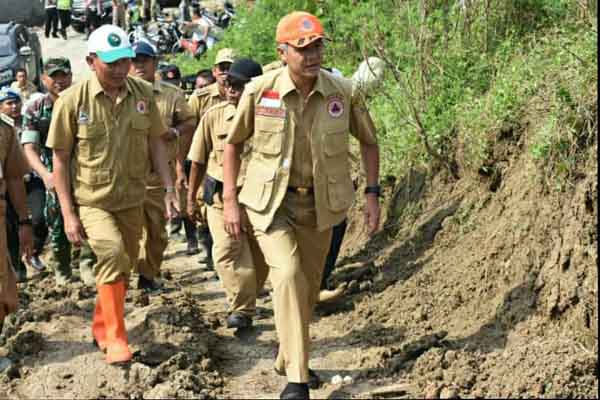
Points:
(214, 90)
(157, 86)
(96, 88)
(287, 84)
(9, 120)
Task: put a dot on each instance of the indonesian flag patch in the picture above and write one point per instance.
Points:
(270, 98)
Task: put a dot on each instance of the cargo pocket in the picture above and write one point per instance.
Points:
(219, 148)
(93, 176)
(92, 141)
(138, 147)
(340, 191)
(268, 136)
(258, 188)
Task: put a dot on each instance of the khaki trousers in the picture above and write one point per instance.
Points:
(154, 235)
(240, 263)
(295, 251)
(115, 239)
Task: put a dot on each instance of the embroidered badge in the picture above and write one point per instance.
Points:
(141, 106)
(114, 40)
(335, 107)
(270, 111)
(307, 25)
(83, 118)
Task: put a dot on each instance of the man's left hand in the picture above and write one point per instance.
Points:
(372, 213)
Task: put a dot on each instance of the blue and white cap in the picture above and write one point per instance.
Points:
(110, 44)
(6, 93)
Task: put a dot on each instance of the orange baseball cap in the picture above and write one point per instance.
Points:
(299, 29)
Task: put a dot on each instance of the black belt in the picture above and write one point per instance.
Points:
(302, 191)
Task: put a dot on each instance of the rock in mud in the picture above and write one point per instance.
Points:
(26, 343)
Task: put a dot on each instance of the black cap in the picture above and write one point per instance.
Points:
(244, 69)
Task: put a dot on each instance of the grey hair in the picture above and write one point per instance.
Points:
(283, 47)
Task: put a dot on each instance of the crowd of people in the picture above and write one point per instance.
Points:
(253, 165)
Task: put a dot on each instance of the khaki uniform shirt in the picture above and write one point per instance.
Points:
(109, 142)
(203, 99)
(12, 161)
(209, 140)
(173, 110)
(25, 91)
(273, 112)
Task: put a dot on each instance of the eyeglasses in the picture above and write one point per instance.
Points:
(224, 66)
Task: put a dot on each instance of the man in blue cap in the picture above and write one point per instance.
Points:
(181, 121)
(105, 133)
(10, 113)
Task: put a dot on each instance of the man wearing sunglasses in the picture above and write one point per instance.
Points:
(297, 184)
(239, 263)
(200, 101)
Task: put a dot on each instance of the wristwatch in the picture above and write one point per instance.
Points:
(170, 189)
(376, 190)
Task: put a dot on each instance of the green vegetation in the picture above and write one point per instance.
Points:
(460, 72)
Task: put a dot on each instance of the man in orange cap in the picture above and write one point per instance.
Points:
(298, 183)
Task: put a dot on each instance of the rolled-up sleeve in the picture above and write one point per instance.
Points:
(361, 123)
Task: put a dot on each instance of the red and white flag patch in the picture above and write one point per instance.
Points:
(270, 98)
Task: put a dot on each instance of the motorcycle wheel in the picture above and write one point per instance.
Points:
(176, 48)
(200, 50)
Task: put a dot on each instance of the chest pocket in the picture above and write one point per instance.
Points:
(219, 148)
(336, 142)
(138, 147)
(268, 136)
(92, 142)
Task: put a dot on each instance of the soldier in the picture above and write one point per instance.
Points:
(12, 168)
(177, 115)
(36, 121)
(298, 183)
(200, 101)
(239, 263)
(104, 132)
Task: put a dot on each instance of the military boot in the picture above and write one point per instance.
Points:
(61, 263)
(191, 235)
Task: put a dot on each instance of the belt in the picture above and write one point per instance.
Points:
(302, 191)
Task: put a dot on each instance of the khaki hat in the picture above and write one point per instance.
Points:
(225, 55)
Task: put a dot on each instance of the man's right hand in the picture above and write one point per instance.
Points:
(232, 218)
(74, 229)
(191, 209)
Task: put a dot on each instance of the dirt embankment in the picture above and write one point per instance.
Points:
(481, 287)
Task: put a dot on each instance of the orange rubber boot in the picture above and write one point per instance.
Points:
(112, 297)
(98, 328)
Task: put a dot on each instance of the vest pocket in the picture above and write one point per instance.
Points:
(268, 136)
(336, 143)
(258, 188)
(340, 191)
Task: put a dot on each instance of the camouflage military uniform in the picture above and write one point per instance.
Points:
(36, 121)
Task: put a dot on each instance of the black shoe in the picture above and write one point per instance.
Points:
(238, 320)
(314, 382)
(192, 248)
(55, 35)
(295, 391)
(148, 285)
(64, 35)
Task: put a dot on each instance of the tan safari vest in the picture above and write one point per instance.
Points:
(265, 113)
(109, 143)
(173, 110)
